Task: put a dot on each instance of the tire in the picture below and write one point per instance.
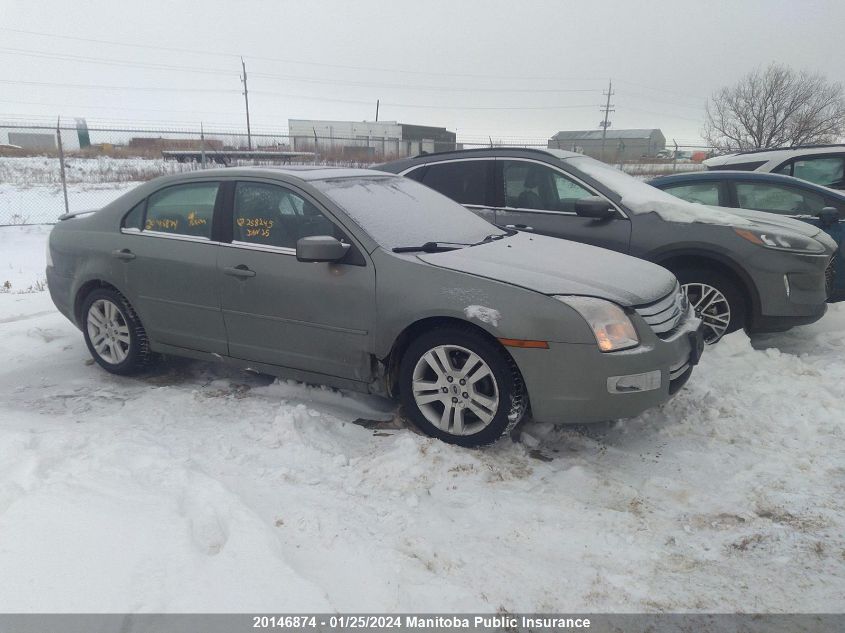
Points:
(110, 321)
(729, 303)
(471, 413)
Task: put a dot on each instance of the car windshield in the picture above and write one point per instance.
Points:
(398, 212)
(640, 197)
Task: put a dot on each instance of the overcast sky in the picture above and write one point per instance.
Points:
(522, 69)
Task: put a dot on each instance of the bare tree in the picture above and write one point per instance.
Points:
(775, 107)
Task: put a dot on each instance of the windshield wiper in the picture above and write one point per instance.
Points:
(431, 247)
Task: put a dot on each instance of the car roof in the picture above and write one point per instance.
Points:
(765, 155)
(479, 152)
(298, 172)
(737, 174)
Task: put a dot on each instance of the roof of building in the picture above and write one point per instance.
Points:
(595, 135)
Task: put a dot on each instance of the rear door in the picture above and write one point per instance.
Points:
(467, 181)
(314, 317)
(536, 197)
(170, 266)
(827, 170)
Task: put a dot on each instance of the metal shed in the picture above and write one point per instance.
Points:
(619, 145)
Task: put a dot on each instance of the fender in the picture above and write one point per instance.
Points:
(660, 255)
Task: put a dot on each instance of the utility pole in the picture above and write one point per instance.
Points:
(202, 146)
(377, 110)
(607, 110)
(246, 101)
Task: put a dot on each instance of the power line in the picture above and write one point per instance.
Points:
(113, 87)
(294, 78)
(105, 62)
(219, 53)
(119, 108)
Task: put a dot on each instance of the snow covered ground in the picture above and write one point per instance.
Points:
(197, 488)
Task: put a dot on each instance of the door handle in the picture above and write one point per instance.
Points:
(520, 227)
(240, 271)
(124, 254)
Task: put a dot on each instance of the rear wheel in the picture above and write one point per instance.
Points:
(716, 299)
(460, 387)
(113, 333)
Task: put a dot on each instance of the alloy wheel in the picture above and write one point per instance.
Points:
(108, 331)
(712, 307)
(455, 390)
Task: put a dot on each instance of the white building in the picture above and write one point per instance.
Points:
(367, 139)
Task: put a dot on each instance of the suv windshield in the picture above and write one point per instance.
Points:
(398, 212)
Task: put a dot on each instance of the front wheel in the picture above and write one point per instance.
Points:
(460, 387)
(716, 299)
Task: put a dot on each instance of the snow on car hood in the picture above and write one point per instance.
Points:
(561, 267)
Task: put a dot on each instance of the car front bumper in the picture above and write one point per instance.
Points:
(792, 290)
(572, 383)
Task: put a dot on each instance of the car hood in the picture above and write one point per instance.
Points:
(561, 267)
(763, 218)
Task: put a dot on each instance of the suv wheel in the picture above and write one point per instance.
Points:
(716, 299)
(113, 333)
(459, 387)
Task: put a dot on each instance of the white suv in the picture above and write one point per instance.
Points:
(820, 164)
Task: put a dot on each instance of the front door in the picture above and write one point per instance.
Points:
(314, 317)
(535, 197)
(800, 204)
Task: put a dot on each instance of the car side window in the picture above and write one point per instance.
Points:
(702, 193)
(822, 171)
(272, 215)
(464, 181)
(416, 174)
(135, 218)
(182, 209)
(777, 198)
(534, 186)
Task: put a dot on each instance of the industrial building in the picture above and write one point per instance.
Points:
(619, 145)
(367, 139)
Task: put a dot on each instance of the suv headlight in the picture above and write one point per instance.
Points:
(780, 241)
(611, 326)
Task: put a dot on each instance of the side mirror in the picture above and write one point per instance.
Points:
(320, 248)
(828, 216)
(594, 207)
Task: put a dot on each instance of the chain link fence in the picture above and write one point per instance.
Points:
(46, 171)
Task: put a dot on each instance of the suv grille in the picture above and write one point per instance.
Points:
(829, 273)
(667, 313)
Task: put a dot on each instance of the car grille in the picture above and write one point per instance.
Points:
(829, 274)
(666, 314)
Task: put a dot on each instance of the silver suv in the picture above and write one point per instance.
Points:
(820, 164)
(739, 268)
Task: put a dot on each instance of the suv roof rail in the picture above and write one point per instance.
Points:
(780, 149)
(482, 149)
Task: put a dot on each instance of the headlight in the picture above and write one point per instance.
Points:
(781, 242)
(611, 326)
